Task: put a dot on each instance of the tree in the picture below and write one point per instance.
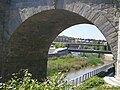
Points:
(60, 45)
(118, 8)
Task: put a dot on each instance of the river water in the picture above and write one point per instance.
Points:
(84, 71)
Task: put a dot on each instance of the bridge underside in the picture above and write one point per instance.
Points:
(90, 51)
(29, 44)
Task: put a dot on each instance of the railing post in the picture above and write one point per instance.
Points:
(76, 81)
(88, 75)
(79, 80)
(92, 73)
(84, 77)
(73, 81)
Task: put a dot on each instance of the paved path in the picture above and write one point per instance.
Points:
(112, 81)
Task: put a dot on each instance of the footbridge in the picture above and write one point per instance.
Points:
(28, 27)
(87, 47)
(90, 48)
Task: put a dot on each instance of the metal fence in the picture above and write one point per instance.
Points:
(78, 80)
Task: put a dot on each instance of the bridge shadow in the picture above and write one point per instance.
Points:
(110, 72)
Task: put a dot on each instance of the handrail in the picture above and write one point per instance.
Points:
(78, 80)
(90, 51)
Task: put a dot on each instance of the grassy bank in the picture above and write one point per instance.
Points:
(70, 63)
(96, 83)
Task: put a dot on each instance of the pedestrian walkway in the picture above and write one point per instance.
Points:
(112, 81)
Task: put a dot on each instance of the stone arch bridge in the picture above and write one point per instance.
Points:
(28, 27)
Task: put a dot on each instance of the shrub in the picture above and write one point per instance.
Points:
(70, 56)
(90, 83)
(27, 83)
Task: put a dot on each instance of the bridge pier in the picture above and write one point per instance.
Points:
(117, 76)
(36, 66)
(115, 81)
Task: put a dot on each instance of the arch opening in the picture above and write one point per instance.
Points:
(78, 42)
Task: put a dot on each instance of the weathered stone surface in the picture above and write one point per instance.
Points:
(76, 8)
(92, 14)
(85, 11)
(60, 4)
(100, 21)
(3, 18)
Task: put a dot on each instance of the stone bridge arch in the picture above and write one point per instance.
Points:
(29, 39)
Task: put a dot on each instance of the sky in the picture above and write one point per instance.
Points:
(85, 31)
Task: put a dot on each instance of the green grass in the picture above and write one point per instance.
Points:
(70, 64)
(90, 83)
(96, 83)
(104, 87)
(94, 62)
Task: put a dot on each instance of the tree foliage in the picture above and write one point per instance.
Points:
(60, 45)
